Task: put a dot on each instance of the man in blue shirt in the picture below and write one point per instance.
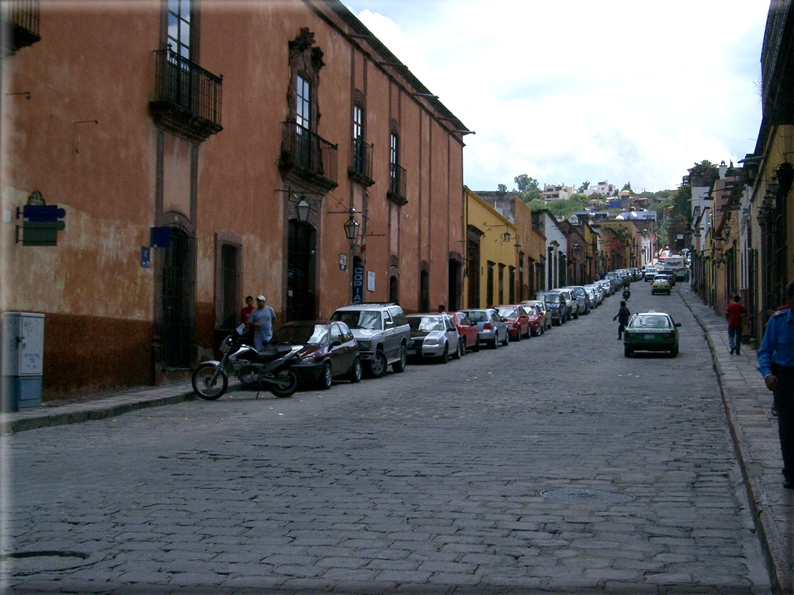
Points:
(776, 364)
(261, 320)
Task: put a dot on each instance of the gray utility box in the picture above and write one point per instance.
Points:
(23, 359)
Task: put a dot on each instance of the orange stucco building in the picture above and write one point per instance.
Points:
(180, 137)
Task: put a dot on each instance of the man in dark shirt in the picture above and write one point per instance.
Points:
(623, 319)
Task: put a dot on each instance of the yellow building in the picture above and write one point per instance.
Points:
(491, 258)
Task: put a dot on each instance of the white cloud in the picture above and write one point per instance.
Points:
(613, 90)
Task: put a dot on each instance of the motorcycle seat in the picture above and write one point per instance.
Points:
(269, 354)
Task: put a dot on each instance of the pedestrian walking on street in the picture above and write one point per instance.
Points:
(262, 322)
(776, 364)
(623, 319)
(735, 314)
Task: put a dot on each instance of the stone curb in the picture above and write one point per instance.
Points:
(91, 410)
(769, 536)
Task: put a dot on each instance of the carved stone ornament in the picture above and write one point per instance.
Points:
(302, 52)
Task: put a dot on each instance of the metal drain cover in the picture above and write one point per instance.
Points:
(586, 496)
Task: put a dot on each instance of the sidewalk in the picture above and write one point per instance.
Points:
(95, 407)
(748, 406)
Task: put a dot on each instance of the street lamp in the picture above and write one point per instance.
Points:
(351, 229)
(303, 208)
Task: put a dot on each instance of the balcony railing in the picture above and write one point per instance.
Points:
(360, 169)
(396, 191)
(187, 98)
(308, 159)
(20, 21)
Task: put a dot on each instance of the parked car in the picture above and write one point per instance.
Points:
(595, 293)
(516, 319)
(582, 299)
(651, 331)
(660, 284)
(537, 319)
(329, 351)
(606, 286)
(544, 310)
(467, 330)
(382, 333)
(649, 274)
(556, 304)
(571, 303)
(490, 325)
(434, 336)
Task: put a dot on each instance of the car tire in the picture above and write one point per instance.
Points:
(674, 352)
(627, 351)
(459, 351)
(377, 367)
(506, 341)
(326, 377)
(445, 355)
(356, 371)
(476, 347)
(399, 366)
(518, 335)
(495, 343)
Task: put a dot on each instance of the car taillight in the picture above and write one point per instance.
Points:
(487, 326)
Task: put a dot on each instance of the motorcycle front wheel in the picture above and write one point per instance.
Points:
(284, 384)
(204, 385)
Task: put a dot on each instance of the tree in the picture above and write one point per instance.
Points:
(501, 188)
(627, 186)
(528, 188)
(583, 187)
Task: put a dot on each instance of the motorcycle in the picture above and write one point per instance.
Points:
(626, 293)
(269, 368)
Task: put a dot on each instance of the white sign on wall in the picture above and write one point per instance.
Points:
(370, 281)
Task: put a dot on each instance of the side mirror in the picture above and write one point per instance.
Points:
(677, 324)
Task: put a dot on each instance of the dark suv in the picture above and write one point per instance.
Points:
(382, 334)
(560, 313)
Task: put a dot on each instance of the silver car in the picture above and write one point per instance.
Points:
(434, 336)
(543, 308)
(492, 328)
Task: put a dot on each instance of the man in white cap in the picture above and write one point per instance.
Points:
(261, 321)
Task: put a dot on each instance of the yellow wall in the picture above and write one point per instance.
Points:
(492, 249)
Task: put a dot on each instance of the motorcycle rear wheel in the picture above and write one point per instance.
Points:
(285, 384)
(203, 385)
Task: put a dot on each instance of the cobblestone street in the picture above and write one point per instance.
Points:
(553, 464)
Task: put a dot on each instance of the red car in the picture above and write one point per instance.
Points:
(467, 330)
(537, 319)
(516, 319)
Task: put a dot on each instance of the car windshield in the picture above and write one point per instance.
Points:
(507, 312)
(649, 322)
(550, 299)
(301, 334)
(360, 319)
(426, 323)
(478, 316)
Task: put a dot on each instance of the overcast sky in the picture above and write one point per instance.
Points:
(574, 90)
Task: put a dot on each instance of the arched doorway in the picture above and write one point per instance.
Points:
(424, 291)
(301, 267)
(178, 290)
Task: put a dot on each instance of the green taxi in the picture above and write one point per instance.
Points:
(651, 331)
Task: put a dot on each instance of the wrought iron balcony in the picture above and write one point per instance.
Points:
(396, 192)
(360, 169)
(20, 23)
(187, 98)
(307, 159)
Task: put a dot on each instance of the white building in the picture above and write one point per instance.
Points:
(557, 192)
(603, 188)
